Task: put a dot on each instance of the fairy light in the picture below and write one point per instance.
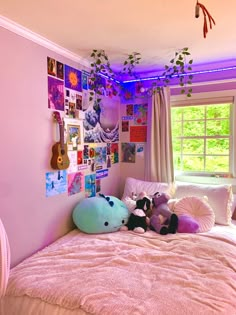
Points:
(183, 74)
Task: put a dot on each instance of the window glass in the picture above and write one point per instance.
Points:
(201, 138)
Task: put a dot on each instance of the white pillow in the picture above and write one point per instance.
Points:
(233, 206)
(198, 209)
(219, 198)
(136, 186)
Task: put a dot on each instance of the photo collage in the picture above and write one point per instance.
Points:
(89, 140)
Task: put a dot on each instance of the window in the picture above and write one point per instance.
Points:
(202, 138)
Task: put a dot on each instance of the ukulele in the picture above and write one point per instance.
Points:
(60, 159)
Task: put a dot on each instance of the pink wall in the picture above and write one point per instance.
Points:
(30, 219)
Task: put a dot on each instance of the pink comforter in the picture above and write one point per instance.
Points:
(126, 273)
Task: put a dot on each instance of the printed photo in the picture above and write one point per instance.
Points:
(56, 183)
(75, 183)
(125, 125)
(129, 110)
(128, 151)
(73, 135)
(140, 114)
(55, 94)
(90, 185)
(60, 70)
(85, 76)
(73, 79)
(51, 66)
(78, 102)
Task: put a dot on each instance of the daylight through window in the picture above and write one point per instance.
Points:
(201, 137)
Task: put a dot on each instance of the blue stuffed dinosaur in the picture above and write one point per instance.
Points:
(100, 214)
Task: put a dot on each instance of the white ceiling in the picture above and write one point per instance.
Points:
(155, 28)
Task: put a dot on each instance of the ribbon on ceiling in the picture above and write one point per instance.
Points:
(207, 17)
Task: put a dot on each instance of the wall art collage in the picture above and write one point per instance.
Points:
(89, 135)
(135, 124)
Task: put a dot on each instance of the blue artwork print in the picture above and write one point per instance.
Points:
(56, 183)
(73, 79)
(85, 76)
(100, 157)
(128, 92)
(90, 185)
(101, 122)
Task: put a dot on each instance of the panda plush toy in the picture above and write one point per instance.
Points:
(138, 220)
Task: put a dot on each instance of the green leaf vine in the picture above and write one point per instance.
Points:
(179, 67)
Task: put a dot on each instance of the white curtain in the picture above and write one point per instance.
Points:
(159, 157)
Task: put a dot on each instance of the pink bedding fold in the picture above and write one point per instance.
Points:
(127, 273)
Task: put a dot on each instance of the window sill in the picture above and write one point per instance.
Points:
(207, 180)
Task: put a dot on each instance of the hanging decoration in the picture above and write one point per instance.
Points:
(206, 14)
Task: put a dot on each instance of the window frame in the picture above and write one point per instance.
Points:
(208, 98)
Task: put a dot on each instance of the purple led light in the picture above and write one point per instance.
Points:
(185, 74)
(109, 78)
(173, 76)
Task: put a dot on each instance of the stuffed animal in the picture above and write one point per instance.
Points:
(138, 220)
(101, 214)
(187, 224)
(169, 224)
(144, 202)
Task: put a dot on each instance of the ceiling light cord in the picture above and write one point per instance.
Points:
(206, 14)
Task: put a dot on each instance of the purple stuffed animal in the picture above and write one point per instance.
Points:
(160, 207)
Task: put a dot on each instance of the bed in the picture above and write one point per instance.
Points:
(128, 273)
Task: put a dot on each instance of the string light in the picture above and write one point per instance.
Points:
(184, 74)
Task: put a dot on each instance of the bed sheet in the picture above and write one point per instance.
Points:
(178, 274)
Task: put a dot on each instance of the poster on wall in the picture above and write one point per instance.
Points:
(98, 185)
(55, 93)
(101, 123)
(75, 183)
(60, 70)
(73, 136)
(51, 63)
(129, 110)
(109, 161)
(73, 103)
(138, 133)
(128, 92)
(108, 148)
(73, 167)
(73, 79)
(85, 76)
(90, 185)
(128, 151)
(140, 114)
(100, 157)
(125, 126)
(86, 103)
(56, 183)
(140, 149)
(114, 153)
